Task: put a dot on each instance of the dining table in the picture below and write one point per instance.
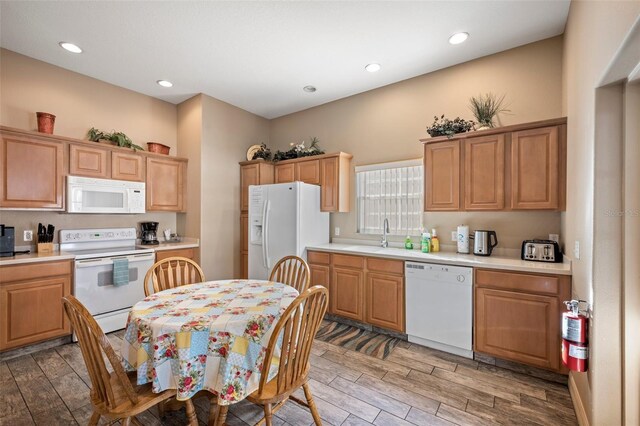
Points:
(209, 336)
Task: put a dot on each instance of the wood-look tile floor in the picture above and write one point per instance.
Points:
(413, 386)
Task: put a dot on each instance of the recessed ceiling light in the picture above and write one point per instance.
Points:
(70, 47)
(164, 83)
(309, 89)
(458, 38)
(373, 67)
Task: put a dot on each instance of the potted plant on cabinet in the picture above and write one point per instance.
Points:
(485, 108)
(116, 138)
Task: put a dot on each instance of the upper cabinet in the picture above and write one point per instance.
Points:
(285, 173)
(253, 173)
(89, 161)
(308, 172)
(520, 167)
(32, 175)
(166, 184)
(127, 166)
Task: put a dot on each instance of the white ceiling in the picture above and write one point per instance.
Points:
(259, 55)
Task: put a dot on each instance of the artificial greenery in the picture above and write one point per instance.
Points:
(118, 138)
(263, 152)
(444, 127)
(486, 107)
(299, 151)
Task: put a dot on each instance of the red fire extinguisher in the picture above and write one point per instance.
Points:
(575, 347)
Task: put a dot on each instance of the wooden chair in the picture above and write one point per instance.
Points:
(113, 395)
(293, 271)
(298, 326)
(172, 272)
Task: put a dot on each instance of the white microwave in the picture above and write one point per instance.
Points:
(90, 195)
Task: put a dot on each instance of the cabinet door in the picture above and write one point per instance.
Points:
(32, 174)
(442, 176)
(88, 161)
(249, 175)
(308, 172)
(127, 166)
(189, 253)
(484, 173)
(385, 301)
(165, 184)
(518, 326)
(244, 232)
(285, 173)
(32, 311)
(321, 275)
(245, 266)
(347, 293)
(534, 169)
(330, 184)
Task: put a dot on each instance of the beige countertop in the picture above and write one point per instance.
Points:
(449, 258)
(184, 244)
(35, 257)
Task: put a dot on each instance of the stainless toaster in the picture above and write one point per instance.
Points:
(541, 251)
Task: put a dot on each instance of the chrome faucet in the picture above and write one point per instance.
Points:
(385, 231)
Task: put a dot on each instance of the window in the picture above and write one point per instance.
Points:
(392, 191)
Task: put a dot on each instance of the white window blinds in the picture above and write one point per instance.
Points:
(392, 191)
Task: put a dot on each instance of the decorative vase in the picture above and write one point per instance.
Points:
(45, 122)
(483, 127)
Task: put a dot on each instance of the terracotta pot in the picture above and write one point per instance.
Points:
(46, 122)
(158, 148)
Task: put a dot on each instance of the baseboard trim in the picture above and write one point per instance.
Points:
(578, 406)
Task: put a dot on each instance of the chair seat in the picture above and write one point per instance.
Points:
(146, 397)
(270, 391)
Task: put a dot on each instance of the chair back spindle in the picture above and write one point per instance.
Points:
(172, 272)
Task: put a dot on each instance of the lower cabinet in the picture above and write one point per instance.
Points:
(518, 316)
(189, 253)
(365, 289)
(31, 303)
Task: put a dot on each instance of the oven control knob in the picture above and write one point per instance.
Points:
(109, 234)
(77, 236)
(460, 278)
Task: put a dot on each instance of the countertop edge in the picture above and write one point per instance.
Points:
(543, 268)
(33, 258)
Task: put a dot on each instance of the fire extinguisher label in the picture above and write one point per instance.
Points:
(571, 329)
(578, 352)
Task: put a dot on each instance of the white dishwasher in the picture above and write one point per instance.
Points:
(439, 307)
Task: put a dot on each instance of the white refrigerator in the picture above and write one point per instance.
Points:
(284, 219)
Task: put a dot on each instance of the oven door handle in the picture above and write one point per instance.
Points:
(90, 263)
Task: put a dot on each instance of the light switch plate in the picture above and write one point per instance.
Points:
(576, 250)
(336, 232)
(28, 235)
(555, 237)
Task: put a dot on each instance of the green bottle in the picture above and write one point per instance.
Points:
(426, 242)
(408, 244)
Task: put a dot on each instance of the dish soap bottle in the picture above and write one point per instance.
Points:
(426, 242)
(408, 244)
(435, 242)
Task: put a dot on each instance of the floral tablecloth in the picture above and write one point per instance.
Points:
(210, 336)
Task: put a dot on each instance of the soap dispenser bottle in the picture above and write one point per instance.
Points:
(435, 242)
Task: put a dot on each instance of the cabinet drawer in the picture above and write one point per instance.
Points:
(318, 257)
(31, 271)
(518, 282)
(189, 253)
(385, 266)
(348, 261)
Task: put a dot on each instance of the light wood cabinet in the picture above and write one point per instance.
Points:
(519, 167)
(308, 172)
(484, 173)
(285, 173)
(347, 287)
(245, 265)
(244, 244)
(518, 316)
(189, 253)
(166, 184)
(442, 176)
(127, 166)
(89, 161)
(534, 169)
(253, 173)
(32, 175)
(31, 303)
(365, 289)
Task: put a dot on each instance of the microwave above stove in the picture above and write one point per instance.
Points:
(91, 195)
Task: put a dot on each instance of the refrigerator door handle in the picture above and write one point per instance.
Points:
(265, 232)
(264, 240)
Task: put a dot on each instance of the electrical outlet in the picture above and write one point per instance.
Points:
(336, 232)
(28, 235)
(576, 250)
(554, 237)
(454, 236)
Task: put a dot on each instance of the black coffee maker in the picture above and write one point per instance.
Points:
(149, 233)
(7, 241)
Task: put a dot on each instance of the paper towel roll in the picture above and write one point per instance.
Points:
(463, 239)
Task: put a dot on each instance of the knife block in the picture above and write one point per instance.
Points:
(44, 247)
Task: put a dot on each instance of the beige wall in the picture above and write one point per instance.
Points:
(594, 33)
(385, 125)
(216, 135)
(79, 102)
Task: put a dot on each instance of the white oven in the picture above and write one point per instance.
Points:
(91, 195)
